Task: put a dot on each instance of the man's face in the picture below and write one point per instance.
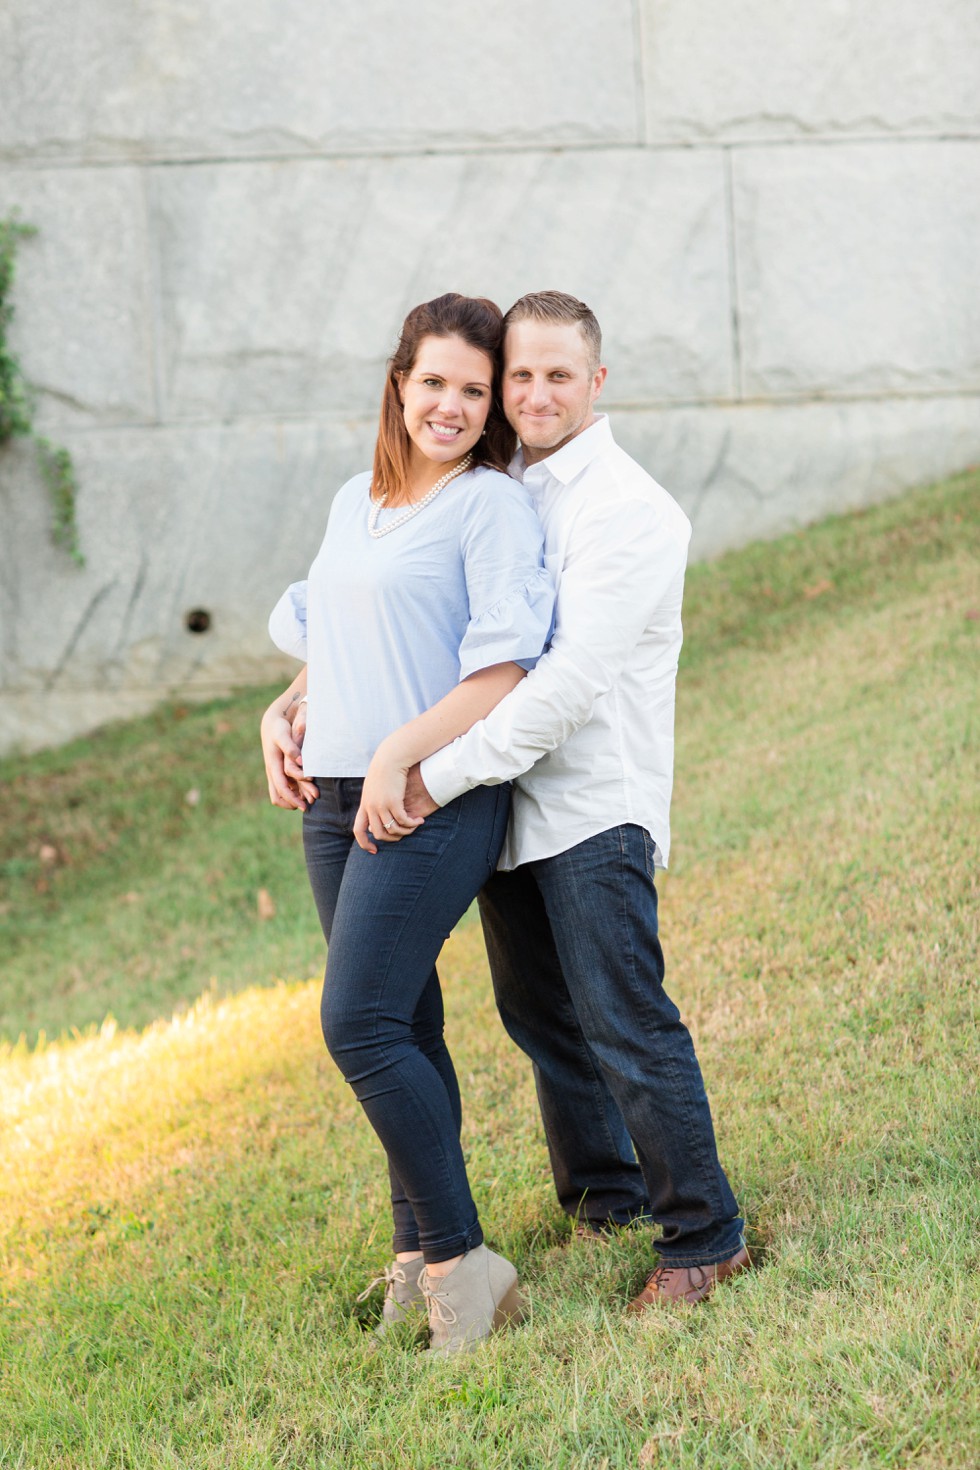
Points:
(549, 387)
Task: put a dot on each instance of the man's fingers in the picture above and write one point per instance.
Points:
(401, 819)
(291, 753)
(284, 766)
(285, 796)
(417, 798)
(286, 793)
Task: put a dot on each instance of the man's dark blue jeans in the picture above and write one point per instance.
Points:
(578, 974)
(385, 917)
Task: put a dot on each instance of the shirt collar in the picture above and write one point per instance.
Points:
(571, 459)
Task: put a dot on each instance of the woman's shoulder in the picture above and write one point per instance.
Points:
(499, 512)
(349, 499)
(356, 488)
(492, 488)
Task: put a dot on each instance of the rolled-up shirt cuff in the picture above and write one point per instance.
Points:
(442, 777)
(287, 621)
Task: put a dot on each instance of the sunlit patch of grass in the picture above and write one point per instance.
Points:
(191, 1203)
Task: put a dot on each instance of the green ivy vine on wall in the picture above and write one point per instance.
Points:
(17, 404)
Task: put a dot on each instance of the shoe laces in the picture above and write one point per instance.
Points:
(439, 1308)
(389, 1277)
(662, 1275)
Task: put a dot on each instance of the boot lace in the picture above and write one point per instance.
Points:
(439, 1308)
(391, 1276)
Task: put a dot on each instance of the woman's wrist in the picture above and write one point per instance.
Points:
(393, 752)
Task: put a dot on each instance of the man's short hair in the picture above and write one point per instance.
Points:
(558, 306)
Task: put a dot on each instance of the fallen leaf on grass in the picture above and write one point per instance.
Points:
(47, 854)
(265, 904)
(818, 589)
(192, 797)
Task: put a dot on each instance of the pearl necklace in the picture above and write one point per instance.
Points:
(378, 506)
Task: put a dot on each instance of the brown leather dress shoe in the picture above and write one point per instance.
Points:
(691, 1284)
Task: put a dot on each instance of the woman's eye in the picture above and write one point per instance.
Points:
(432, 382)
(476, 392)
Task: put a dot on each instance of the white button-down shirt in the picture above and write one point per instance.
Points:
(589, 734)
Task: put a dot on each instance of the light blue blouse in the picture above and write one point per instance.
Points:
(389, 625)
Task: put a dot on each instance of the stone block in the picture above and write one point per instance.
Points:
(283, 285)
(171, 79)
(748, 472)
(762, 70)
(859, 267)
(171, 521)
(82, 326)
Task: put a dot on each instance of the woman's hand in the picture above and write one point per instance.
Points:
(382, 815)
(283, 757)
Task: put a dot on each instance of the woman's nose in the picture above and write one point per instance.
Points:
(449, 402)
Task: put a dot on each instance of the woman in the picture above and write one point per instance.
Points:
(425, 606)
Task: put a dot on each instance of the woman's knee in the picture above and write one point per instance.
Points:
(346, 1035)
(359, 1041)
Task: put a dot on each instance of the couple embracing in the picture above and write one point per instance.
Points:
(490, 643)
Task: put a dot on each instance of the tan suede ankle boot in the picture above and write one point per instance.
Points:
(479, 1296)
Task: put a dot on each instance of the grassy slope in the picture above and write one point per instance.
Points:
(187, 1215)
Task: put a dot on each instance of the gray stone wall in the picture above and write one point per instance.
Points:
(773, 207)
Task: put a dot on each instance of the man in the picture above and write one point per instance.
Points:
(571, 917)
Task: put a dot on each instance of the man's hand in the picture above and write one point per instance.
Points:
(418, 802)
(283, 757)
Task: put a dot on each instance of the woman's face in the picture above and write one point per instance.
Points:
(446, 397)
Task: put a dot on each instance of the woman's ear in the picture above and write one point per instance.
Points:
(397, 379)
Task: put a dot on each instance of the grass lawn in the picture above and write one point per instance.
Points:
(190, 1201)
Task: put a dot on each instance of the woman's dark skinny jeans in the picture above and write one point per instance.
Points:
(385, 917)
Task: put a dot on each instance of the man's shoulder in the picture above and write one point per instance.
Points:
(623, 482)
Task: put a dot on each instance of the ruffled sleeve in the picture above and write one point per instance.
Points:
(287, 621)
(511, 594)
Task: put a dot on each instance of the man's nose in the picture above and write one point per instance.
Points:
(539, 393)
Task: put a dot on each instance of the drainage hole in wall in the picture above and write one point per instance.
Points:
(198, 620)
